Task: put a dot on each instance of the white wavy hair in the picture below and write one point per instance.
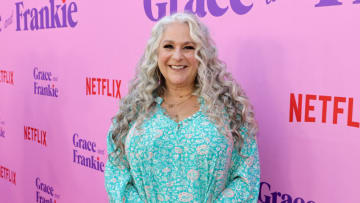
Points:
(213, 83)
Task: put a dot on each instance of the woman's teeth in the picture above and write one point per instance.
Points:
(177, 67)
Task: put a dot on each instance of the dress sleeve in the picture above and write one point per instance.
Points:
(244, 174)
(118, 180)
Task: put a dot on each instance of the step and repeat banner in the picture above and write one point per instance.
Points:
(64, 65)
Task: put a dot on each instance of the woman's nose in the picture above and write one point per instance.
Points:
(178, 55)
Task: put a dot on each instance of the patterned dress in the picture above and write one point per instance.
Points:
(188, 161)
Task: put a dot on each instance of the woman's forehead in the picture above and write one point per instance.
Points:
(177, 32)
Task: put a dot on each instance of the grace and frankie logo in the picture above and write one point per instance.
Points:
(45, 83)
(45, 192)
(57, 14)
(86, 153)
(202, 7)
(268, 196)
(2, 129)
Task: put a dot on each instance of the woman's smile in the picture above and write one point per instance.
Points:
(176, 56)
(178, 67)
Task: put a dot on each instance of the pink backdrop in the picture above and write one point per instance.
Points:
(291, 57)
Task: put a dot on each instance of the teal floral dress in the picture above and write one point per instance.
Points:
(188, 161)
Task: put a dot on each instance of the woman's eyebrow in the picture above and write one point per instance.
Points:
(172, 42)
(189, 42)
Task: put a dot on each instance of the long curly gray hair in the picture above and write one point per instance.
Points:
(213, 83)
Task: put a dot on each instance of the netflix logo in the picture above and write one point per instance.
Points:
(35, 135)
(7, 77)
(301, 107)
(7, 174)
(103, 86)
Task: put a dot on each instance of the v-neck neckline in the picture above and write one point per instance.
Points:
(163, 112)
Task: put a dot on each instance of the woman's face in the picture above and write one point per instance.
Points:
(176, 56)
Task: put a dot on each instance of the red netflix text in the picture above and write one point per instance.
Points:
(8, 174)
(335, 103)
(35, 135)
(7, 77)
(103, 86)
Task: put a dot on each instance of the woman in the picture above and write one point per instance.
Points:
(186, 131)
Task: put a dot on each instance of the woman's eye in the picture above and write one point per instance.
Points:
(189, 47)
(168, 46)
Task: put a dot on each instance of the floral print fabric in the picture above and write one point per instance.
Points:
(189, 161)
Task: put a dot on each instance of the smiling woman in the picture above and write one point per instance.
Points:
(178, 66)
(186, 131)
(176, 56)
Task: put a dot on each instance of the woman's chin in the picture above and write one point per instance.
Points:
(177, 81)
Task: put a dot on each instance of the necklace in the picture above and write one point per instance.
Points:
(173, 113)
(188, 96)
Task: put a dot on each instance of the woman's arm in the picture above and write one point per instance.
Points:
(118, 180)
(244, 177)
